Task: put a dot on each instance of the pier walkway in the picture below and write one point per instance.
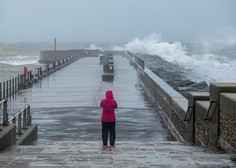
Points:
(65, 105)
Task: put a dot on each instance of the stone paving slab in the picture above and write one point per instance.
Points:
(133, 154)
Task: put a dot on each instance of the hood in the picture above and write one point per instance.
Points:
(109, 94)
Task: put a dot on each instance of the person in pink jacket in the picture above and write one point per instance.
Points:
(108, 119)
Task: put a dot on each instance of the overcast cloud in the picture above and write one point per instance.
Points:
(115, 20)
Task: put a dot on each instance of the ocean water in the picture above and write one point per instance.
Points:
(15, 55)
(209, 61)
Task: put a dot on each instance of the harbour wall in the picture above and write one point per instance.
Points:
(173, 105)
(48, 57)
(205, 118)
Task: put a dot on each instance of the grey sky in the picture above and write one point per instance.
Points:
(115, 20)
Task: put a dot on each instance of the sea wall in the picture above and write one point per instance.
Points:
(205, 118)
(201, 125)
(173, 104)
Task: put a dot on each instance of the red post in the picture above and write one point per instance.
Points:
(25, 72)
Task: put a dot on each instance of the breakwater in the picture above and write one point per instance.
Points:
(205, 118)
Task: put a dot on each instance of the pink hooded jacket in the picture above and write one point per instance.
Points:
(108, 107)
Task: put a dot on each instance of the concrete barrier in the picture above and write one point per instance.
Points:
(173, 104)
(7, 136)
(29, 136)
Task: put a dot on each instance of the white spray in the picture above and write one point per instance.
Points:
(200, 67)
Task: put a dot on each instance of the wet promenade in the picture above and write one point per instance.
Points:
(65, 105)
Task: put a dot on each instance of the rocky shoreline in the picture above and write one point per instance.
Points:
(173, 74)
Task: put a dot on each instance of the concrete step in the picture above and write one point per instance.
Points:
(125, 154)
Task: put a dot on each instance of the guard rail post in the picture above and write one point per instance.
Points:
(13, 86)
(28, 116)
(24, 119)
(18, 83)
(19, 124)
(4, 91)
(7, 89)
(0, 92)
(5, 114)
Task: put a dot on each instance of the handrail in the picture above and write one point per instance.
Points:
(24, 115)
(1, 102)
(12, 86)
(207, 117)
(186, 114)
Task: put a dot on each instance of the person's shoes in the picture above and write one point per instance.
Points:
(104, 147)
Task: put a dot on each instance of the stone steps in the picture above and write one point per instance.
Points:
(126, 154)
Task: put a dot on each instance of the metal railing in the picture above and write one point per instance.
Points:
(12, 86)
(3, 105)
(22, 119)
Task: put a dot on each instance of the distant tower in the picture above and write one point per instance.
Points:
(55, 44)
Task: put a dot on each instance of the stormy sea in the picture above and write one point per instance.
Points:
(186, 66)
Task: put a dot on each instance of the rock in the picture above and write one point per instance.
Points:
(233, 158)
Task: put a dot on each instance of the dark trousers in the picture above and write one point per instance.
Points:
(108, 128)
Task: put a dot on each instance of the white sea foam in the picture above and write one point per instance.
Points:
(200, 67)
(94, 47)
(119, 48)
(19, 60)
